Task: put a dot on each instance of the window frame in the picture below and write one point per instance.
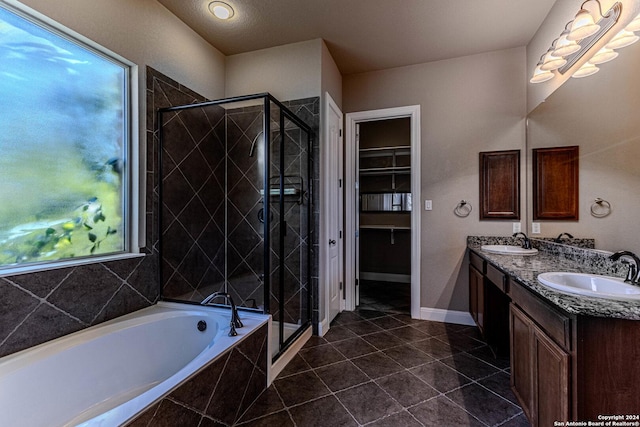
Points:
(133, 204)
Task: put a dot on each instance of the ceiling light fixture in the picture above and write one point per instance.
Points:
(577, 40)
(635, 24)
(221, 10)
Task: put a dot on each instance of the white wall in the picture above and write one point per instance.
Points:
(287, 72)
(468, 104)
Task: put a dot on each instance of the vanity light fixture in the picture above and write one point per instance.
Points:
(623, 39)
(603, 55)
(635, 24)
(583, 25)
(221, 10)
(577, 40)
(564, 46)
(588, 69)
(551, 62)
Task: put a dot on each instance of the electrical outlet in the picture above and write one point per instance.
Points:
(517, 227)
(535, 228)
(428, 205)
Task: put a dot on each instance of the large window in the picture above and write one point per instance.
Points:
(64, 145)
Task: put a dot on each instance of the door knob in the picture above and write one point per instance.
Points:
(332, 242)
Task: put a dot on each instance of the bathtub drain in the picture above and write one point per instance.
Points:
(202, 325)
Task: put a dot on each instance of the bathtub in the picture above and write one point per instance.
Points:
(106, 374)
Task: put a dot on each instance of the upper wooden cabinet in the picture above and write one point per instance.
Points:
(555, 183)
(500, 184)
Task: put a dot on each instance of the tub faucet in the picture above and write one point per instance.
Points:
(632, 260)
(559, 238)
(526, 243)
(235, 319)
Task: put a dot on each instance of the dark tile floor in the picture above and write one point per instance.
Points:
(385, 369)
(389, 297)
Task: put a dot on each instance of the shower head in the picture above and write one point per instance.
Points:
(253, 144)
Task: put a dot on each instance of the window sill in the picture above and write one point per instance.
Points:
(24, 269)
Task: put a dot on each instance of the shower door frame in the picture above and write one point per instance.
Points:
(283, 345)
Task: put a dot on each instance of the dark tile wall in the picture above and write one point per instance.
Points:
(219, 394)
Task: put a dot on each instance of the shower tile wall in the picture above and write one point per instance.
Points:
(193, 168)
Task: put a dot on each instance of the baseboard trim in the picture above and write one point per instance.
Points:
(447, 316)
(323, 327)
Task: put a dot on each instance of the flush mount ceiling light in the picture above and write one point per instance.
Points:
(221, 10)
(577, 40)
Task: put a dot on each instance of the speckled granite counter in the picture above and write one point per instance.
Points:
(554, 257)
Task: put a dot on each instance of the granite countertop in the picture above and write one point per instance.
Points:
(525, 270)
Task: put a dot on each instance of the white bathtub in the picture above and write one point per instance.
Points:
(106, 374)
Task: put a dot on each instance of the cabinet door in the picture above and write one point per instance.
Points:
(521, 332)
(550, 380)
(476, 297)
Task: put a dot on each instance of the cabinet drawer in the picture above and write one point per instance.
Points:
(477, 262)
(497, 277)
(554, 323)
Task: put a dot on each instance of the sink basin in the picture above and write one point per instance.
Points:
(508, 250)
(591, 285)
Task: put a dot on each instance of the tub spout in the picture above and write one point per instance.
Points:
(235, 319)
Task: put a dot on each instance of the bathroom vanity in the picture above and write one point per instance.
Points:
(572, 357)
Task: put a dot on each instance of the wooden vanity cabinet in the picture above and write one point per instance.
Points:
(539, 371)
(563, 366)
(476, 289)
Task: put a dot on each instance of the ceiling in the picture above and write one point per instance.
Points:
(367, 35)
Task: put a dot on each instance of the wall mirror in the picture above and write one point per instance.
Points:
(601, 115)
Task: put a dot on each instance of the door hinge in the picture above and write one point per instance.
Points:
(340, 182)
(340, 132)
(340, 234)
(340, 285)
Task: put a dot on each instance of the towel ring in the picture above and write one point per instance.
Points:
(600, 208)
(462, 209)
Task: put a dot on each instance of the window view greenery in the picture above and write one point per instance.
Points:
(63, 133)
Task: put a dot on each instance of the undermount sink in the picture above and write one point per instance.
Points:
(508, 250)
(591, 285)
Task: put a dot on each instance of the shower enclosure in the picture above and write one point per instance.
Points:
(235, 203)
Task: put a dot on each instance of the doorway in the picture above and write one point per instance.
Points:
(382, 208)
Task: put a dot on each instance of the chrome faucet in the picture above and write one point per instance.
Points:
(559, 238)
(235, 319)
(526, 243)
(632, 260)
